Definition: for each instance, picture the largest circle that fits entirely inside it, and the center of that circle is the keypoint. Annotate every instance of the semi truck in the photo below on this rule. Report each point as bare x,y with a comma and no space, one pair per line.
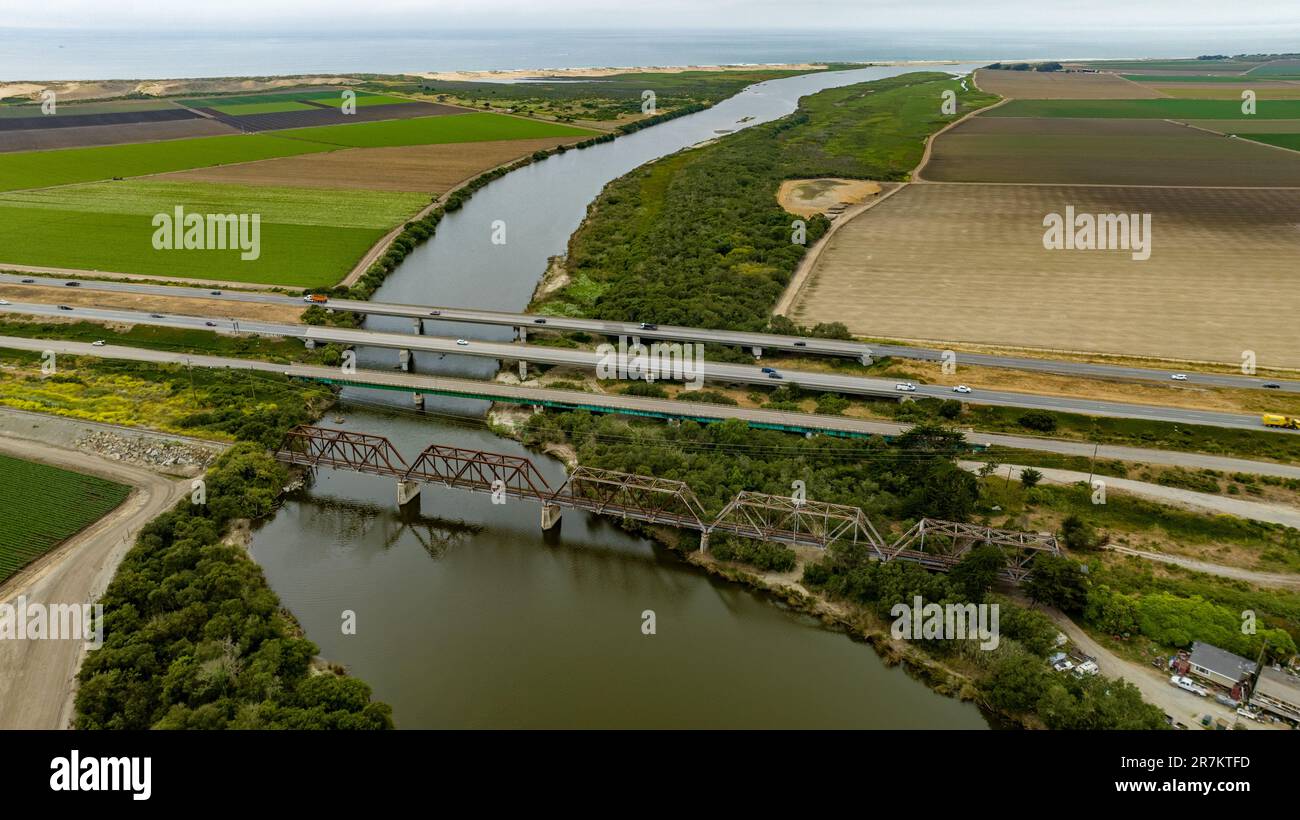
1287,422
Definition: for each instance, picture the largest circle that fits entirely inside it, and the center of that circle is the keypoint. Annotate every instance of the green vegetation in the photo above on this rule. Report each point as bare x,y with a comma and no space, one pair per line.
43,169
237,105
307,237
1291,141
697,238
44,506
1158,109
195,639
438,130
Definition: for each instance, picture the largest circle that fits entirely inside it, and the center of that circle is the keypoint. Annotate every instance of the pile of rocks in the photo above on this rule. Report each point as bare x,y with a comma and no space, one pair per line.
149,451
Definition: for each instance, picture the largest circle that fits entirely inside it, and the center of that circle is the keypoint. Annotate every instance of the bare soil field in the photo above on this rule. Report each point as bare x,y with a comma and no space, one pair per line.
1062,151
1230,91
91,135
179,306
1052,85
966,263
422,168
283,120
807,197
1248,126
65,120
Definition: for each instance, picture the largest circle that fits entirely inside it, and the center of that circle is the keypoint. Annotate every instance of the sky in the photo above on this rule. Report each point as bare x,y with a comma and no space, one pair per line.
904,15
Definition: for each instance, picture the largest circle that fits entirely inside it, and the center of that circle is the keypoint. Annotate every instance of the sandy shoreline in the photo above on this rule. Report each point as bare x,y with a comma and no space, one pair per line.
575,73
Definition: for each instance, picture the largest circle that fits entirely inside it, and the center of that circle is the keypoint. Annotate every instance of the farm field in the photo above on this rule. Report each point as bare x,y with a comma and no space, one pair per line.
1051,85
1291,140
1184,109
1249,126
44,506
40,169
1188,65
475,127
429,169
1103,152
1231,91
308,238
85,136
75,108
1219,260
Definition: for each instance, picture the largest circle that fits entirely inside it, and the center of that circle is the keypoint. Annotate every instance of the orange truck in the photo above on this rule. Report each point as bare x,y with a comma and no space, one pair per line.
1286,422
316,298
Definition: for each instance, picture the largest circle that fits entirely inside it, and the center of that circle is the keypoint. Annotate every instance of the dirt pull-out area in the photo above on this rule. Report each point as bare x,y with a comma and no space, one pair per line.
828,195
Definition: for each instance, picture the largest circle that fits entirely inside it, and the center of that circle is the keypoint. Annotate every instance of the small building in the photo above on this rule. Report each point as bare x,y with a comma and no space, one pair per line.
1220,667
1277,692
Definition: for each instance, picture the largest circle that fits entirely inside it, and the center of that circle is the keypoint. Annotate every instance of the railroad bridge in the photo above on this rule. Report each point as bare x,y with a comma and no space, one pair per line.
935,544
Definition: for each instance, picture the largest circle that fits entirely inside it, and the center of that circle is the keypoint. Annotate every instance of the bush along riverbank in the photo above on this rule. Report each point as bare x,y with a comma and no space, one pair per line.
912,476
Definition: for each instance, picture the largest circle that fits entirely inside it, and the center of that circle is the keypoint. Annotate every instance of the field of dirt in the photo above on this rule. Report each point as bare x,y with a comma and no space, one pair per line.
966,263
808,197
424,168
47,138
78,297
1053,85
1101,151
71,90
1248,126
1229,91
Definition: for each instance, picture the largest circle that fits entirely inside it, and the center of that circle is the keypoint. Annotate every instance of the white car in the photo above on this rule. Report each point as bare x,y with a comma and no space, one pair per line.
905,387
97,343
462,342
1187,685
961,388
4,301
1179,377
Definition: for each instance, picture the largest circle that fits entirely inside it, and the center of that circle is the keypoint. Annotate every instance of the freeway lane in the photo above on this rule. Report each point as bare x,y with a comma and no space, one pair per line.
710,371
765,341
491,390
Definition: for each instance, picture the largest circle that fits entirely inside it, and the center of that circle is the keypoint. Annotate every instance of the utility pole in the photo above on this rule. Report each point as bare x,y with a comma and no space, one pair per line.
193,395
1092,465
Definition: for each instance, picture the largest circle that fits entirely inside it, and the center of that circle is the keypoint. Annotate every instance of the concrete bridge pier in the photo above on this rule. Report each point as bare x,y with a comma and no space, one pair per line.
418,400
310,343
865,359
521,334
704,541
417,325
550,516
407,491
537,408
757,351
404,360
523,370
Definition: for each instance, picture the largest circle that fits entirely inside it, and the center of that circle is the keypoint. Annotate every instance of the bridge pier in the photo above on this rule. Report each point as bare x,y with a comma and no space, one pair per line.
310,343
704,541
550,516
537,408
407,491
865,359
417,325
523,370
757,351
418,400
521,334
404,360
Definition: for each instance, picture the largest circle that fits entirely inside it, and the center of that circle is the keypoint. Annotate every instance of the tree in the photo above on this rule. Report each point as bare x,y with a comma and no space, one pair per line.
977,571
1029,478
1038,420
1057,581
1078,534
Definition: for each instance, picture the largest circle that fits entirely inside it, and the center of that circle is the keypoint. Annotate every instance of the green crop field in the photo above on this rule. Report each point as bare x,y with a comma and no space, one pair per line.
1148,109
43,506
263,108
450,128
285,101
1291,141
40,169
308,237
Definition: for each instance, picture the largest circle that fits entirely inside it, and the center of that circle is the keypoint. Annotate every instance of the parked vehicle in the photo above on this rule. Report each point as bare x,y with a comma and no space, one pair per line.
1187,685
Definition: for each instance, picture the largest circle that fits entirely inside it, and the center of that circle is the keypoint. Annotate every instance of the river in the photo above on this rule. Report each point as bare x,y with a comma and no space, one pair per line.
468,616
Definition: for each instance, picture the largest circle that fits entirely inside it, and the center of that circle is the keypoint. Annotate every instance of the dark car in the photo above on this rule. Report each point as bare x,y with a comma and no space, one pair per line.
156,315
649,326
774,375
72,284
214,293
800,344
210,324
435,313
539,321
28,281
64,307
1273,386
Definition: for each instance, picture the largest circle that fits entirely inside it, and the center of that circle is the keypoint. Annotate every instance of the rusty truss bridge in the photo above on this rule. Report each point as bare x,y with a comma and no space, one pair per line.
935,544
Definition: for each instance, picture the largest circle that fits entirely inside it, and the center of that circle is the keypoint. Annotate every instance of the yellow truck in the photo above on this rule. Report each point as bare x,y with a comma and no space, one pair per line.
1288,422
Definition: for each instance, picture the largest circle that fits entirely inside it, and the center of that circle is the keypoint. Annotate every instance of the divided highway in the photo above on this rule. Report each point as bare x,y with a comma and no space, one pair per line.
763,341
710,371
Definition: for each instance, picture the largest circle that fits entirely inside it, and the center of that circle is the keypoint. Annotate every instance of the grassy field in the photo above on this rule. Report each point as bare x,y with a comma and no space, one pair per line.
1185,109
44,506
1291,141
309,237
42,169
476,127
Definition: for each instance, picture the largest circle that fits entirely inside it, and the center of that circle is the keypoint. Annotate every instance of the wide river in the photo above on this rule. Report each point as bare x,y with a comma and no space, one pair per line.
467,615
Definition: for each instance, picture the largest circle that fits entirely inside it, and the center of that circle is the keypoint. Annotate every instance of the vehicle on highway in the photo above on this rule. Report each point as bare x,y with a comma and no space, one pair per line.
769,370
214,293
1285,422
4,301
774,375
1187,685
649,326
907,387
316,298
64,307
97,343
1179,377
435,313
961,388
462,342
72,284
1272,386
156,315
28,281
210,324
539,321
800,344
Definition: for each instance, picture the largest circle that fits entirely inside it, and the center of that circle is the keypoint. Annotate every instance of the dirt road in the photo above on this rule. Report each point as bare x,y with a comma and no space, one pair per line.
37,677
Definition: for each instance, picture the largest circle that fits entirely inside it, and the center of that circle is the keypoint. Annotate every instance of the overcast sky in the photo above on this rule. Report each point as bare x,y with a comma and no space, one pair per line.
982,15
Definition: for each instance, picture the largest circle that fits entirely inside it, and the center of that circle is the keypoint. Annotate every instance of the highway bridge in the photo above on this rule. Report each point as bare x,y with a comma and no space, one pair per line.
935,544
408,345
420,315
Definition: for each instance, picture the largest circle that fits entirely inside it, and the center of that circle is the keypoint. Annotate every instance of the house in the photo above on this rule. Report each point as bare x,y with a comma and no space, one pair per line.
1277,692
1220,667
